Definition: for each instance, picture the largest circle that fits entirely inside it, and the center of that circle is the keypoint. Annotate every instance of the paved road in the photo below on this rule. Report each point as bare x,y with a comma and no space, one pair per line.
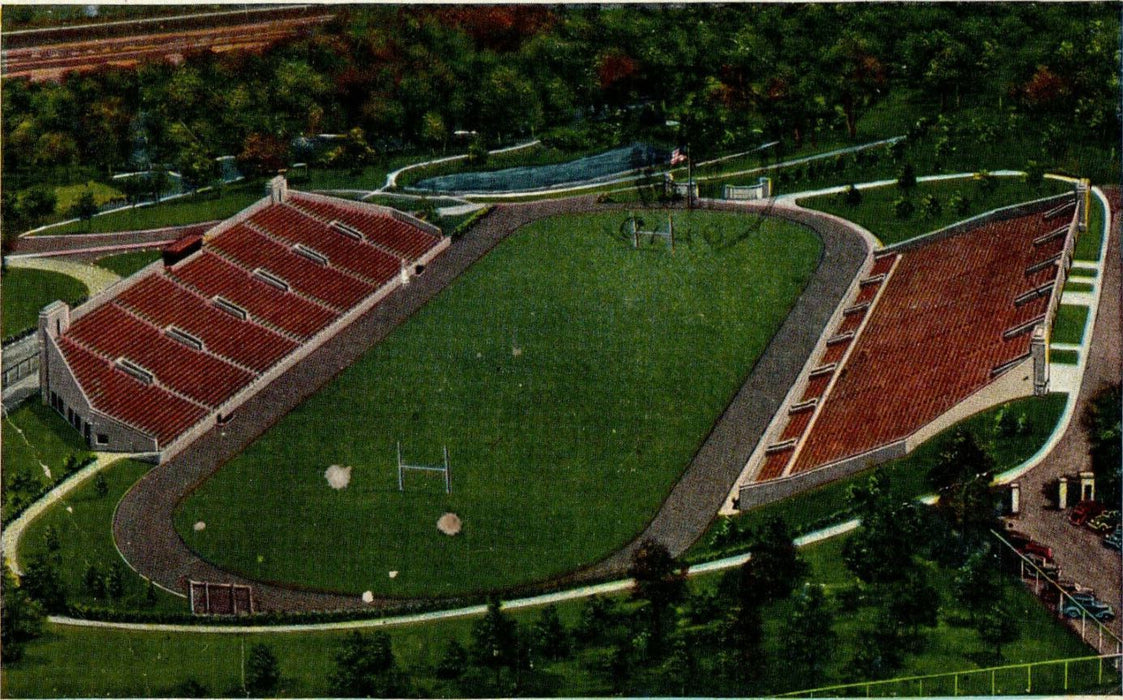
1079,552
87,246
143,526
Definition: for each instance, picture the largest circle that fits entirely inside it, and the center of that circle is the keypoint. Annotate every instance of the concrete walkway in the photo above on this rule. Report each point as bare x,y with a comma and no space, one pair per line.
13,532
95,278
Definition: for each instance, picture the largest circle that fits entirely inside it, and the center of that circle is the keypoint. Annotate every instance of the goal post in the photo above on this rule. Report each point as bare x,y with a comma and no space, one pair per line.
667,232
443,469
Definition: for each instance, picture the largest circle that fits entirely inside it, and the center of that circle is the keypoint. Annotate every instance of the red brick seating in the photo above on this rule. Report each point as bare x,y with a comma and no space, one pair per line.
113,332
113,392
163,302
212,276
252,251
400,238
360,259
935,337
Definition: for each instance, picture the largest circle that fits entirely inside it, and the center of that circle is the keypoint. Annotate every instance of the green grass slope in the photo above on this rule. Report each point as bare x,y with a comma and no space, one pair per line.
24,291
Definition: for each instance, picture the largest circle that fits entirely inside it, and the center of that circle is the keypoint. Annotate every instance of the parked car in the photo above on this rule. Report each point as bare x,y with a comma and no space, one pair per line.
1096,608
1104,522
1046,566
1084,511
1115,539
1073,588
1027,545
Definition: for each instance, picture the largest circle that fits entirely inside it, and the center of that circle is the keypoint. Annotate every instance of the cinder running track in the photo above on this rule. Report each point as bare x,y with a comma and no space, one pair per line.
143,524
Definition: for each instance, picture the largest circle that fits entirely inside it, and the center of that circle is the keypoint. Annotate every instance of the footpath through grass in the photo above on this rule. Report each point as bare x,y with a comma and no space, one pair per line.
876,211
24,291
571,377
827,505
125,264
192,209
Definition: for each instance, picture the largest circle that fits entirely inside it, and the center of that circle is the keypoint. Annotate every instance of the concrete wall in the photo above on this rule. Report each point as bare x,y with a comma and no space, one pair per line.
20,359
61,382
753,495
1001,214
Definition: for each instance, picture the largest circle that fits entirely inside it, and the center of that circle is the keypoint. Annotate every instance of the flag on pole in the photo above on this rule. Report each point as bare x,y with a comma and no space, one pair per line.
677,156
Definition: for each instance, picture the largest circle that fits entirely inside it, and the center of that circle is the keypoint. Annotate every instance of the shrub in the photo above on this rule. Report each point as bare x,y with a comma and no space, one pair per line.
931,206
959,204
903,208
1035,174
907,179
852,196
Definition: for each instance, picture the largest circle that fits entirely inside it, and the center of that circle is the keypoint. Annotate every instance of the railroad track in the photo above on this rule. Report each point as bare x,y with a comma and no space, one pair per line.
52,61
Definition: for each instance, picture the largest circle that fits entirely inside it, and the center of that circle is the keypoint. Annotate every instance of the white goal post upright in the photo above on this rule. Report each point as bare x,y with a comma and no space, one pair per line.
668,233
402,467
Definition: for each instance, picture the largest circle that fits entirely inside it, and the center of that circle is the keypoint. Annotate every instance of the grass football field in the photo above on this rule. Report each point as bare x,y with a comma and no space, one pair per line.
572,378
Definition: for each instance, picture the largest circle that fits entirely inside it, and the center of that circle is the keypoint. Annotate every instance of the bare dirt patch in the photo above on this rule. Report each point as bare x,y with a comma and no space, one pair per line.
338,477
449,524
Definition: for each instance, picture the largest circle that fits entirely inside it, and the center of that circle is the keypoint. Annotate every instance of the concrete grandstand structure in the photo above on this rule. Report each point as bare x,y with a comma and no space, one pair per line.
168,353
932,331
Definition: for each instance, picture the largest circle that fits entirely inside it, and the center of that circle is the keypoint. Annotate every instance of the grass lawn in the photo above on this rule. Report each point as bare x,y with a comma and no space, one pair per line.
83,521
67,195
827,504
125,264
90,662
1069,325
36,441
1064,357
1089,243
1078,287
177,212
876,213
24,291
570,402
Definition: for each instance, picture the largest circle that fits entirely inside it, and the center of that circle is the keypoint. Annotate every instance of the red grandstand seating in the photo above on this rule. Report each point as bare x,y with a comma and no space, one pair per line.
934,337
212,276
816,386
361,259
774,464
113,332
382,229
253,251
162,301
115,393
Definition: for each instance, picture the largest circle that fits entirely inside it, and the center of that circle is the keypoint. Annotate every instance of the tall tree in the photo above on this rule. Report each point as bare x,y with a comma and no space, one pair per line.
42,582
495,639
365,667
263,673
21,618
1103,422
809,637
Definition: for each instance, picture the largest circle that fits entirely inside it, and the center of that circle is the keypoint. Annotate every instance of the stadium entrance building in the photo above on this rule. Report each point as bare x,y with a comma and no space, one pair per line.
162,356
